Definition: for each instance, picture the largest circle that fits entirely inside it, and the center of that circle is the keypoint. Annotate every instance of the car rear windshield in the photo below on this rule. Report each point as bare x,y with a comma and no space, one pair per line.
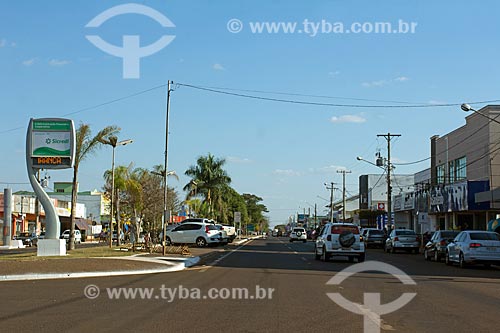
338,229
484,236
449,234
375,232
298,230
406,232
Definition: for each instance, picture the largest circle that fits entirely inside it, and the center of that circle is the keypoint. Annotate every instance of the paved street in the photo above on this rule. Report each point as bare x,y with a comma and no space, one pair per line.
449,299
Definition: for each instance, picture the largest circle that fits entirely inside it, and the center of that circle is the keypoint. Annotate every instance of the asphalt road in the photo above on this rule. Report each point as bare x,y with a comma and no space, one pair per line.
448,299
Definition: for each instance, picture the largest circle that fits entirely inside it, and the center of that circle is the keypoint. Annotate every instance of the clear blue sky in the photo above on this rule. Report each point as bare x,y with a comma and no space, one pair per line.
281,152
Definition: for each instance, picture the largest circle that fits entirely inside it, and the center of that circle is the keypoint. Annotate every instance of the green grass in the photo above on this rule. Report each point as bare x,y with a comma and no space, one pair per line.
79,252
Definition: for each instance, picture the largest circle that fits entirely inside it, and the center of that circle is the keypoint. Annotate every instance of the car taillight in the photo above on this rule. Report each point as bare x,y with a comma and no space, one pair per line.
474,245
443,243
207,229
396,239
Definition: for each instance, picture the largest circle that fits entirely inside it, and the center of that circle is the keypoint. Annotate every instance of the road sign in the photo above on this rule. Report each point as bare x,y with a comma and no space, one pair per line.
237,217
381,206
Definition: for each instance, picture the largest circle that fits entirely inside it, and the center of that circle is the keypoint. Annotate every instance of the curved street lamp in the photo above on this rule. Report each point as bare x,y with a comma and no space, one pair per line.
113,142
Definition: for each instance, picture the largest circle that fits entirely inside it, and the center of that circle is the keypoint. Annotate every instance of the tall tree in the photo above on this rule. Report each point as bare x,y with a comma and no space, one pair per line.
85,146
208,178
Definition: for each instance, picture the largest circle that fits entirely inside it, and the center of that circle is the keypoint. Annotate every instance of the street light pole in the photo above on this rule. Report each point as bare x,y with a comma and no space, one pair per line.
113,142
110,232
165,177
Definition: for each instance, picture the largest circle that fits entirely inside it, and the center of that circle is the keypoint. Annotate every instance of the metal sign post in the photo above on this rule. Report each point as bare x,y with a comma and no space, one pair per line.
50,144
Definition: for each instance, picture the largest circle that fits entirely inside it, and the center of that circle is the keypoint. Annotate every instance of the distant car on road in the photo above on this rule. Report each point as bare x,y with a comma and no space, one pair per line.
374,237
474,247
435,248
339,239
298,234
402,239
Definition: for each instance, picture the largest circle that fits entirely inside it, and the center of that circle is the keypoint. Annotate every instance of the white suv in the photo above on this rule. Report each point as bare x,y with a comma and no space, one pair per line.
339,239
298,234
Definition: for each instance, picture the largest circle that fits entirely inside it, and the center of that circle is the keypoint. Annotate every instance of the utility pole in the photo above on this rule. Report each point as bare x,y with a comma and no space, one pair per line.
165,177
343,172
315,216
388,137
331,188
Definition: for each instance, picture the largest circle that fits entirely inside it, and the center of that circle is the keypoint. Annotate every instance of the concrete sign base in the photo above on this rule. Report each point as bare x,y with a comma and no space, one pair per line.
51,247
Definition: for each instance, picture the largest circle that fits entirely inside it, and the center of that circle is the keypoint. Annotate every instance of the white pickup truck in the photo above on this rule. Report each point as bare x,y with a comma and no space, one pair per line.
231,232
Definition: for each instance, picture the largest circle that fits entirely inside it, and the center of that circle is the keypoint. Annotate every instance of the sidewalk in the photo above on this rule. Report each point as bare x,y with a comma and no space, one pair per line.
38,268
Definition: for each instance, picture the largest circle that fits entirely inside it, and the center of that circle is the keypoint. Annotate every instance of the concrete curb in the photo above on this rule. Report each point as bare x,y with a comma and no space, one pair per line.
245,240
172,263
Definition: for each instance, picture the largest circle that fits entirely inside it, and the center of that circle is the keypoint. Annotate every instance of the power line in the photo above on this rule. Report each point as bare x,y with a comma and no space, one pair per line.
327,104
409,163
97,105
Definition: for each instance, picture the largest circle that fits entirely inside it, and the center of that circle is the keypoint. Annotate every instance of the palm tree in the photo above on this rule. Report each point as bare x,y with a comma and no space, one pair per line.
86,145
208,178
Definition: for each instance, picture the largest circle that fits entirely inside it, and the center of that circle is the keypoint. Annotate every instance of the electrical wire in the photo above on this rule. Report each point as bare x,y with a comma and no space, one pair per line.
217,91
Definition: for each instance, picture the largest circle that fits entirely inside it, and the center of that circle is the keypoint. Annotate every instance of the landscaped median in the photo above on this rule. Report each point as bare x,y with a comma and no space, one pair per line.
87,262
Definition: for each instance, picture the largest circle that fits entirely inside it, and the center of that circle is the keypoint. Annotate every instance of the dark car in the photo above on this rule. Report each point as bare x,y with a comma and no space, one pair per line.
436,246
27,238
374,237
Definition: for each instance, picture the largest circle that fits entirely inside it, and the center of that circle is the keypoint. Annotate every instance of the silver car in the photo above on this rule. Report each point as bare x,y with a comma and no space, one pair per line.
402,239
474,247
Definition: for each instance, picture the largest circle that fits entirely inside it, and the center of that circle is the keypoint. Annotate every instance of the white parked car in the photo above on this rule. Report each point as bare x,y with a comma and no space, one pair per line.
198,233
298,234
339,239
231,232
66,233
474,247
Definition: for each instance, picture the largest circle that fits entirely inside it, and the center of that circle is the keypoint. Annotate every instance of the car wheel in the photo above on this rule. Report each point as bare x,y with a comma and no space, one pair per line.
447,259
351,259
361,258
168,241
436,257
416,251
291,240
201,242
426,255
304,241
316,255
324,256
487,265
461,261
